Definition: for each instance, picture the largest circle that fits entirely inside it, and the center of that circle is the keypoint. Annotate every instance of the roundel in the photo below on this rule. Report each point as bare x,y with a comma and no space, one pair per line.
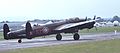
31,33
45,30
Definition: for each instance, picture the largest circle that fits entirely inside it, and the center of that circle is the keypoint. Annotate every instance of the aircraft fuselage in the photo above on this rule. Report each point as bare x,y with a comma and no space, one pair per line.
44,30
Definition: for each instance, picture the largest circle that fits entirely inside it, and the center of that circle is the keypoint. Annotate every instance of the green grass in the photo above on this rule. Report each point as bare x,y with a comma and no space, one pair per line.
108,46
1,36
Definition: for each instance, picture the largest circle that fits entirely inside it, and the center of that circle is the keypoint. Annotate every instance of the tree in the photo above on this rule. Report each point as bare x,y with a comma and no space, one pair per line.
89,19
100,19
115,18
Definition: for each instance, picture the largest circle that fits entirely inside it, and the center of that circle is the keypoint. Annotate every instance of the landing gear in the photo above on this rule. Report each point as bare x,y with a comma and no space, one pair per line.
58,36
76,36
19,41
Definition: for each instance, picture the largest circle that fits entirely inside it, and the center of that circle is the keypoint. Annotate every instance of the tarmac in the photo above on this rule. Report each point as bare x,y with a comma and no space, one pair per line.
40,42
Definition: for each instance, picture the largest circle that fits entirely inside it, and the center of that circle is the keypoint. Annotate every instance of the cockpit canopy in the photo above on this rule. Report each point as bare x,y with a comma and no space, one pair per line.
76,19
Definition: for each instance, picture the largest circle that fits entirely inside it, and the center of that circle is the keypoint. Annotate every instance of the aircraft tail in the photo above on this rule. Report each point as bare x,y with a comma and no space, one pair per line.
28,30
5,31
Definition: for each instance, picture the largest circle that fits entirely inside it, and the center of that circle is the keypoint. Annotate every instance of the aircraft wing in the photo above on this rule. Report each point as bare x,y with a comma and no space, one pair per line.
66,26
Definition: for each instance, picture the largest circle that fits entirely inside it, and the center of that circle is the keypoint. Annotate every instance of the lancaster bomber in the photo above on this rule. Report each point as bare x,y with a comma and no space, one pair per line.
67,26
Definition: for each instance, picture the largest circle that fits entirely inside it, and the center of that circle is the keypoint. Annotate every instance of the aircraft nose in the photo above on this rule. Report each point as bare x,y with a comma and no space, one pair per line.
93,23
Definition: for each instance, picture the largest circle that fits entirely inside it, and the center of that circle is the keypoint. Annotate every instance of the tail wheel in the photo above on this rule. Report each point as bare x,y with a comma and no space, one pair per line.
58,36
76,36
19,41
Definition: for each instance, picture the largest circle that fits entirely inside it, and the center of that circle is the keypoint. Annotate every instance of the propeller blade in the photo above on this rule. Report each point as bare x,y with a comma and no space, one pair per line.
95,28
94,17
86,18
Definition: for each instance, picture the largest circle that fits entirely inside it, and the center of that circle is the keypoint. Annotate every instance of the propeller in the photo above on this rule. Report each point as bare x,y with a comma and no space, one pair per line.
94,25
95,28
94,17
86,18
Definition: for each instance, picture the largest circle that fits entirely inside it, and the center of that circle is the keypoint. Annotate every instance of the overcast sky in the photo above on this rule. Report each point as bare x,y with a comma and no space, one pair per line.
22,10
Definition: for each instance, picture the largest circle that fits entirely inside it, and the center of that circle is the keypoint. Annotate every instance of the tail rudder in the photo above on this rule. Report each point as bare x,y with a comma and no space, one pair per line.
28,30
5,31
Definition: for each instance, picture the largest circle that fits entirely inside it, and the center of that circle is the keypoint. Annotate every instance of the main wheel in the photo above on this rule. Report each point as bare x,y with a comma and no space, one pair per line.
58,36
19,41
76,36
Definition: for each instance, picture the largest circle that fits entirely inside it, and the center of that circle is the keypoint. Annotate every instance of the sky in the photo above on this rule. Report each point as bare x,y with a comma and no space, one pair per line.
22,10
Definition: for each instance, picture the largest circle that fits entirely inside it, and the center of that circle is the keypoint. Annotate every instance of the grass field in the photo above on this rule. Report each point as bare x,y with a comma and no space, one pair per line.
108,46
1,36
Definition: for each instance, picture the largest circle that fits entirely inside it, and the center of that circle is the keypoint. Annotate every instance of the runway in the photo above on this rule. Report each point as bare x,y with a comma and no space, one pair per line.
13,44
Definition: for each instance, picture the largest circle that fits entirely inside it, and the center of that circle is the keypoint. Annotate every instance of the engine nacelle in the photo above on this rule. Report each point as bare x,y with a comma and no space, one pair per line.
91,25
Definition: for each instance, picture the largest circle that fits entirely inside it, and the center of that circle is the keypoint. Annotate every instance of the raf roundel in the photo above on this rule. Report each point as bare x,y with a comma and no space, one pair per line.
31,33
45,30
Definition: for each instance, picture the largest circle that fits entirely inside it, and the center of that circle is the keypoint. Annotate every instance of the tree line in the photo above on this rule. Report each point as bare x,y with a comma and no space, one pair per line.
114,18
